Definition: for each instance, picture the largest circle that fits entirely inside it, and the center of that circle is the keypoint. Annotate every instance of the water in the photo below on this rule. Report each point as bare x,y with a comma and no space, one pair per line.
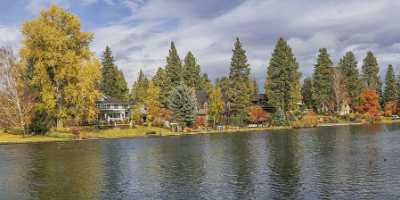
349,162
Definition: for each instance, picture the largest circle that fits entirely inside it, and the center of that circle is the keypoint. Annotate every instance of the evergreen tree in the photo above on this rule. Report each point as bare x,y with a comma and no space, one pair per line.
183,104
139,88
307,93
322,85
348,67
254,86
283,78
174,69
239,92
191,71
205,84
370,74
160,80
113,82
391,88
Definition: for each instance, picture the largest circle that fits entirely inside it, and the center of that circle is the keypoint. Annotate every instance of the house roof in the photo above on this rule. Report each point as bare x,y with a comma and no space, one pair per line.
111,100
201,97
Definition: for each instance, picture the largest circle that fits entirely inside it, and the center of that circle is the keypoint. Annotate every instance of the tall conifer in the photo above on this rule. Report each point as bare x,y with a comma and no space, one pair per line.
391,88
191,71
322,85
174,69
239,92
349,70
283,78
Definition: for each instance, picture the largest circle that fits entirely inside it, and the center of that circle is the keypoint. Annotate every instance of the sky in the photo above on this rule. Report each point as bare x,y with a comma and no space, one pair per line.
139,32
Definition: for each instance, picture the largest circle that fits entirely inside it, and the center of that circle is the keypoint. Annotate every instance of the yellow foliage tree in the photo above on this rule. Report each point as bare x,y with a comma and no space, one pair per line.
152,100
215,104
56,53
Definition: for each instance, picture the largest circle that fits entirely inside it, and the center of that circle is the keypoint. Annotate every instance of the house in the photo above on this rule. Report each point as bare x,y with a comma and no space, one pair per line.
262,101
112,109
202,104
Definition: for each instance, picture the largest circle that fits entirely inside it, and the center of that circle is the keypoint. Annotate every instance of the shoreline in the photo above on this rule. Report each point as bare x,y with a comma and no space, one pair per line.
19,139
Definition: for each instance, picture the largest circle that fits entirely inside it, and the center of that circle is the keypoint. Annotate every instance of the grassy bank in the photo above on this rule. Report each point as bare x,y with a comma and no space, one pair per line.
140,131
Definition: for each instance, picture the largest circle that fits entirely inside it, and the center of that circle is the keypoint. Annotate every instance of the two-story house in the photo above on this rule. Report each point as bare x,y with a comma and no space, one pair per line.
112,109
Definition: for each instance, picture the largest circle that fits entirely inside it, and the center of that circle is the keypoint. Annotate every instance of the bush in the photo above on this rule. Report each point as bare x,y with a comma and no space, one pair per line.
308,120
278,119
41,122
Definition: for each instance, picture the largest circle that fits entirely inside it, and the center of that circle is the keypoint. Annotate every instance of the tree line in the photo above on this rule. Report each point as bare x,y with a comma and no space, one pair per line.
57,80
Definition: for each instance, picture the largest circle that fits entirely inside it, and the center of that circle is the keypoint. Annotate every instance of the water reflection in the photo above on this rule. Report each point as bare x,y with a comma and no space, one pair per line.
349,162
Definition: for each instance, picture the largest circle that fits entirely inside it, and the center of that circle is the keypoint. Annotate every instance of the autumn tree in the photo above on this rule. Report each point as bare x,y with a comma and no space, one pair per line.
139,88
16,102
322,85
215,105
351,77
160,80
239,91
182,103
152,100
390,92
257,114
113,82
282,85
56,51
369,102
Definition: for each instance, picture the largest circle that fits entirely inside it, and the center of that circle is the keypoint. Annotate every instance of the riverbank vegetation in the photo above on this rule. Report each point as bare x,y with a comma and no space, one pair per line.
52,88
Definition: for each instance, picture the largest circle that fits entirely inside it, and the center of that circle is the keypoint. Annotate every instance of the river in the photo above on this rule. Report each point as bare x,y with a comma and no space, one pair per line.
345,162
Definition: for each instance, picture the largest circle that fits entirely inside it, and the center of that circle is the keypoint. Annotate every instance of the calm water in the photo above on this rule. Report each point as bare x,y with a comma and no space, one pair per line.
355,162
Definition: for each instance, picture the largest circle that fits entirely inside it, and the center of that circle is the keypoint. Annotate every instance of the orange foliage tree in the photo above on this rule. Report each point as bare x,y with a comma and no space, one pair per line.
369,102
257,114
391,108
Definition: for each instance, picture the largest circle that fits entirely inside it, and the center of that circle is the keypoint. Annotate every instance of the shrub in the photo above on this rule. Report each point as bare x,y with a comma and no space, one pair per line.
278,119
41,122
309,120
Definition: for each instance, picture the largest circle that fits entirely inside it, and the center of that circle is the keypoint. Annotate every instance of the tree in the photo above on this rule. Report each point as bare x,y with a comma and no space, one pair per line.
370,73
160,80
215,105
152,100
55,50
16,103
257,114
113,82
174,69
139,88
282,85
390,92
348,67
307,92
239,91
83,96
191,71
182,103
205,84
322,85
254,86
369,102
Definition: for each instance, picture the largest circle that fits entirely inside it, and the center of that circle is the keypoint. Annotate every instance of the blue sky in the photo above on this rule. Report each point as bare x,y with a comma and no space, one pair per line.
139,31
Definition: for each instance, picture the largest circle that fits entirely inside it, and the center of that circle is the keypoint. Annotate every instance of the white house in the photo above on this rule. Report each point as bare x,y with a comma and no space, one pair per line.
112,109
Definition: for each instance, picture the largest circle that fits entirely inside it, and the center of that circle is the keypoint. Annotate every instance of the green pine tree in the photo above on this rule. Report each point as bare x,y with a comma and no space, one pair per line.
182,103
239,92
322,84
113,82
191,71
174,69
390,92
307,93
370,72
348,67
283,78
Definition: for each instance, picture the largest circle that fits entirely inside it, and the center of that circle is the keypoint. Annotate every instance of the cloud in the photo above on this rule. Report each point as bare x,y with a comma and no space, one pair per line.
10,37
